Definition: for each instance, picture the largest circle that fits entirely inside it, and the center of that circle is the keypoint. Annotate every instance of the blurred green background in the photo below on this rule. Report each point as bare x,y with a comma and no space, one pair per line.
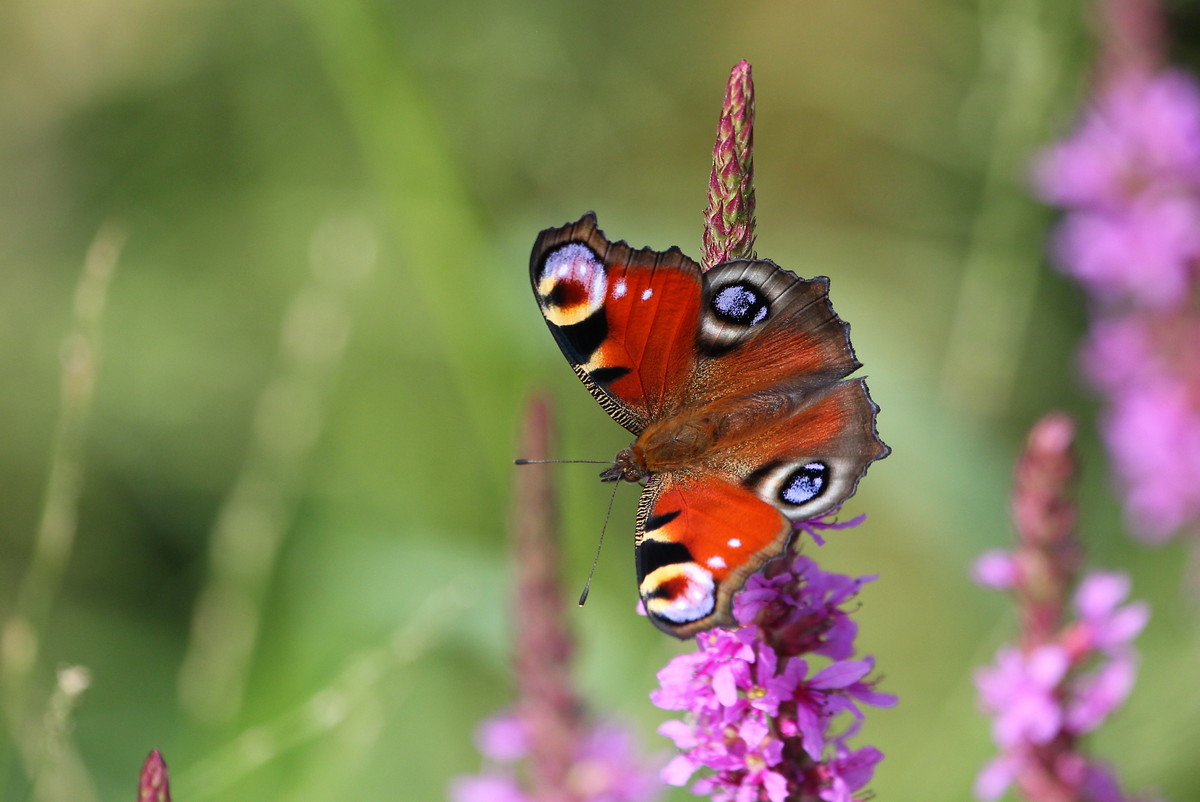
319,337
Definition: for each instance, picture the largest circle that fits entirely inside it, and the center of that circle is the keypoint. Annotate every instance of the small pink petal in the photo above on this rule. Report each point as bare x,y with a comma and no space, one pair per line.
1100,593
995,778
678,771
1047,665
776,786
680,732
996,569
841,674
725,686
1127,624
502,738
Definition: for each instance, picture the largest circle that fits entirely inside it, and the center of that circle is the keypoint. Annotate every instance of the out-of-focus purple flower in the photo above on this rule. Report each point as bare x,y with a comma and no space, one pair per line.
1145,252
1149,370
1043,700
761,719
547,748
1128,180
1019,692
1116,353
1105,625
502,738
1067,675
604,767
996,569
1070,686
611,767
494,786
1152,429
1139,136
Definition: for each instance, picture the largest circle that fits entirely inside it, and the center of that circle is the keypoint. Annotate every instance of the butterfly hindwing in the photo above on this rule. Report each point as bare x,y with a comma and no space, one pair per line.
625,319
698,538
702,531
808,463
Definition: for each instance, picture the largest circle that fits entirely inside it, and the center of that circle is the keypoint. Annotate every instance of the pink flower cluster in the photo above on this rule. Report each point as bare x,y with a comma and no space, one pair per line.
606,766
1129,180
1044,697
762,718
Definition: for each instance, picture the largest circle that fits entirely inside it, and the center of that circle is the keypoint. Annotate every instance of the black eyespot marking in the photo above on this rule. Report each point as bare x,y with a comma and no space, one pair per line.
741,304
580,340
654,554
757,475
804,484
659,521
608,375
562,294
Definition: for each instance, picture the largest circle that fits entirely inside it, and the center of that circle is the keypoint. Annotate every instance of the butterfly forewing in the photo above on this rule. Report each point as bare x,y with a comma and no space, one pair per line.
764,327
625,319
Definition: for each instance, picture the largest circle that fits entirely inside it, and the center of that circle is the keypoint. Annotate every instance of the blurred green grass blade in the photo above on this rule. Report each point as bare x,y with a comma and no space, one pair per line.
433,220
257,514
26,628
339,705
1021,75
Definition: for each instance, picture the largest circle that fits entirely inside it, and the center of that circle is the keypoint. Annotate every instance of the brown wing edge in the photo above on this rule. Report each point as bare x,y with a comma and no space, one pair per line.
883,450
585,231
820,296
869,434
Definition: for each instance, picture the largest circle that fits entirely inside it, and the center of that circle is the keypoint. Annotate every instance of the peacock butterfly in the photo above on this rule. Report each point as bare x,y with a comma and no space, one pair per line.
734,382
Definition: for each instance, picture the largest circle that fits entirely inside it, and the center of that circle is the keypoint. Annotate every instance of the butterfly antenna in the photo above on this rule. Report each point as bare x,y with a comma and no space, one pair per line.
588,585
561,461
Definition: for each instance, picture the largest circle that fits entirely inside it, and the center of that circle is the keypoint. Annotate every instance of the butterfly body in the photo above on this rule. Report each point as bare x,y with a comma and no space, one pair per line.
734,382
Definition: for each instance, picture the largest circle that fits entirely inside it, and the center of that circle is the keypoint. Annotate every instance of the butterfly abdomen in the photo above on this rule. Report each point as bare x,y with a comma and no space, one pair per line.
675,443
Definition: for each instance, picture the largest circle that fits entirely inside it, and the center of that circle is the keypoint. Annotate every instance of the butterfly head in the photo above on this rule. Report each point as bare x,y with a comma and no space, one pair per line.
628,466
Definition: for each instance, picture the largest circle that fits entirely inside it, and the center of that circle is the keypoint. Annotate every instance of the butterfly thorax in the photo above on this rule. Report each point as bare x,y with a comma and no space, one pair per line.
693,436
680,441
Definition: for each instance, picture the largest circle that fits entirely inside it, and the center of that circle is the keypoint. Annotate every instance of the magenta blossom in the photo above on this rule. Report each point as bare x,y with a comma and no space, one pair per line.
760,717
1128,180
1047,697
606,766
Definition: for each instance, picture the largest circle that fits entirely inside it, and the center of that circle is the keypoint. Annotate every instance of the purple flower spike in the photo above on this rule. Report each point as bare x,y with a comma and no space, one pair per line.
761,718
764,703
1128,181
547,747
153,784
1066,676
729,219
